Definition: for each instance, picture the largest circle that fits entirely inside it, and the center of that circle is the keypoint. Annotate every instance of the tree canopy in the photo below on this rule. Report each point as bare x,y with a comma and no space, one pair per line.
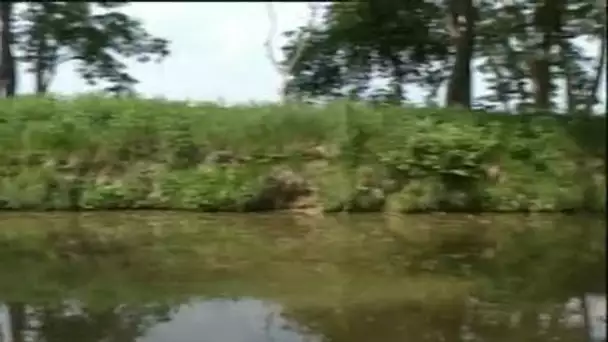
373,50
97,36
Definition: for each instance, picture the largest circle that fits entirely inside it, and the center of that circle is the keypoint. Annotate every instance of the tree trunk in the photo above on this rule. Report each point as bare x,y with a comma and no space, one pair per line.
8,77
41,69
461,25
398,95
547,21
570,99
542,84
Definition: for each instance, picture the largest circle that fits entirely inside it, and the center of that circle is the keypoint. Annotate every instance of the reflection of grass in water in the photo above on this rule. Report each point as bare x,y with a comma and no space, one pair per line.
100,261
351,292
103,286
117,258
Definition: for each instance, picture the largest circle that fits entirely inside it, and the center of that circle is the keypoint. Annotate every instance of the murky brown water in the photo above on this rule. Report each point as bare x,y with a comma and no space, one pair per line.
153,277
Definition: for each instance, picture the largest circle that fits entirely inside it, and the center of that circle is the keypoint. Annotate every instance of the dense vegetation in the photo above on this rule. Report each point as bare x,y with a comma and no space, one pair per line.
531,54
102,153
105,153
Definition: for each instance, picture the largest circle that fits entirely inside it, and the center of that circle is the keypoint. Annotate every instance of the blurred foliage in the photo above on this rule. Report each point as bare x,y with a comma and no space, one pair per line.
97,36
101,153
379,51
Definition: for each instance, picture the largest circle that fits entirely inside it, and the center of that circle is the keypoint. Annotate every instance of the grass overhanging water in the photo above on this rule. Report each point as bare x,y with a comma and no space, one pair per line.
103,153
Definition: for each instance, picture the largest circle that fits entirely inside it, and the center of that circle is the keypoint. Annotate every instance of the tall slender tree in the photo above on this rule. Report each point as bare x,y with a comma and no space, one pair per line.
461,25
8,77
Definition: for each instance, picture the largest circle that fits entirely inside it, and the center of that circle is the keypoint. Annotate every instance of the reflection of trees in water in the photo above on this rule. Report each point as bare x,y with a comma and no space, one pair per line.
382,323
522,275
521,288
67,322
16,312
275,318
549,263
508,322
545,267
449,322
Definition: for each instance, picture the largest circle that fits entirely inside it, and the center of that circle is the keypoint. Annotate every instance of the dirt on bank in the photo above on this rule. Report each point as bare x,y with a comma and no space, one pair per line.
312,183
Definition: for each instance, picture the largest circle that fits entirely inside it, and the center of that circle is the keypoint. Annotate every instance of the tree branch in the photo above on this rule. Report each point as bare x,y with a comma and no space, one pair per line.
284,69
272,19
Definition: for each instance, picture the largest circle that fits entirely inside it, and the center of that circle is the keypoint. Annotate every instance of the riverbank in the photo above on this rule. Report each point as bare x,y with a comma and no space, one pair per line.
95,153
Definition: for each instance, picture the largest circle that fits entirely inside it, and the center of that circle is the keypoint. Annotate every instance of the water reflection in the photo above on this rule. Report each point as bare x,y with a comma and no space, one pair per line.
66,321
595,311
258,321
153,278
244,320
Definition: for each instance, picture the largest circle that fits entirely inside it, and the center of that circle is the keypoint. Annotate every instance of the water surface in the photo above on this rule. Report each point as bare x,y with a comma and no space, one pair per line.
153,277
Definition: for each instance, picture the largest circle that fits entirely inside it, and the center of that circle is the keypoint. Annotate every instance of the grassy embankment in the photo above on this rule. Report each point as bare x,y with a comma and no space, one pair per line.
94,153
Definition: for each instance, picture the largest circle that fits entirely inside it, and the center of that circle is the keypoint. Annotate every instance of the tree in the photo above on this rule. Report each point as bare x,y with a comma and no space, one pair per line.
526,51
529,48
548,16
95,35
7,61
285,68
461,25
358,42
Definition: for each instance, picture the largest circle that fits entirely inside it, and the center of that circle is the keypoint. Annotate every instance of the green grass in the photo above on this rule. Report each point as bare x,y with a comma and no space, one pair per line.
101,153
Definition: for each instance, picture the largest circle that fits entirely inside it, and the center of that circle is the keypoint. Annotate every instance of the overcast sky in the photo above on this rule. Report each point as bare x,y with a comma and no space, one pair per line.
217,52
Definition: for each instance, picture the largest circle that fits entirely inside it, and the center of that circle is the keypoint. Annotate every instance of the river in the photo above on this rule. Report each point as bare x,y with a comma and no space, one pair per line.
182,277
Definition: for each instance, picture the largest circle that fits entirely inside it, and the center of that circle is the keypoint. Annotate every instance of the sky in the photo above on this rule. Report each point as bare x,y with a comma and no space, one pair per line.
217,53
